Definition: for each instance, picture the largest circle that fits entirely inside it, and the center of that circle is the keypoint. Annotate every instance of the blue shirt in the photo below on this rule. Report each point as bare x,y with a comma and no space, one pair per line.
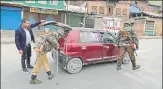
28,36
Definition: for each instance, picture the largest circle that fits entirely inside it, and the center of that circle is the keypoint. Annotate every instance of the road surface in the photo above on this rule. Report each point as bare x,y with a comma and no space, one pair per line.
99,76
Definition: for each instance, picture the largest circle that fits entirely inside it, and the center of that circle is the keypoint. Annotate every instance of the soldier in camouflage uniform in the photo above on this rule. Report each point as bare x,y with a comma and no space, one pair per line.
46,44
123,41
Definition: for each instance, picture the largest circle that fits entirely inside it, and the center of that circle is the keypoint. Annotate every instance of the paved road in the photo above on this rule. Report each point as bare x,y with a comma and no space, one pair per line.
99,76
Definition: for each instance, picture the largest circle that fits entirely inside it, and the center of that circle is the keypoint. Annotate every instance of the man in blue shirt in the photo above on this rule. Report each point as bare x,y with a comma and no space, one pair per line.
23,38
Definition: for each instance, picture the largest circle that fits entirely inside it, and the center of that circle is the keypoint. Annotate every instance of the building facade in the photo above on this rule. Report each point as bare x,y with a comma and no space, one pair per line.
46,10
37,10
97,7
149,21
122,11
109,9
76,11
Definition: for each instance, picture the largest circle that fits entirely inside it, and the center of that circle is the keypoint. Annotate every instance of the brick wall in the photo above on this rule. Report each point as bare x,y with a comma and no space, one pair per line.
158,26
142,5
98,4
139,26
122,6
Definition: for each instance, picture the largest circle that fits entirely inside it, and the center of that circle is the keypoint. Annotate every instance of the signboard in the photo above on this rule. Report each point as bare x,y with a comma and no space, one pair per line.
98,23
111,23
44,11
76,9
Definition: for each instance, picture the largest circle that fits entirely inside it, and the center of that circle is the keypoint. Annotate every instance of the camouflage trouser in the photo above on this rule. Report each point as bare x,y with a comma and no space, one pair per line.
40,61
130,51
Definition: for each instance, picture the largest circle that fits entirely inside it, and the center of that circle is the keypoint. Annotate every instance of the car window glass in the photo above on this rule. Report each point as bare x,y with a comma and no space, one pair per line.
89,36
108,38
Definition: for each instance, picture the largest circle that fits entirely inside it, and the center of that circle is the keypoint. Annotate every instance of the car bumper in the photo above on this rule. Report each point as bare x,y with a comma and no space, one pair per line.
63,59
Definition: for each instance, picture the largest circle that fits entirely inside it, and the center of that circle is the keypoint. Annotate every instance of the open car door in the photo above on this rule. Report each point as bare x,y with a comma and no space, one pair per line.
64,26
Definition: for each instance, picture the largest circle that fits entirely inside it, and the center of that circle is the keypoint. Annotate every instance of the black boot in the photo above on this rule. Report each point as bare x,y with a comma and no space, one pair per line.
34,80
28,63
119,66
50,75
25,69
23,65
136,67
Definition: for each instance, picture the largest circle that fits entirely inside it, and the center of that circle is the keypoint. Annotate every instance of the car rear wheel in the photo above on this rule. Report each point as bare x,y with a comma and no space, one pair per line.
126,58
53,56
74,65
53,52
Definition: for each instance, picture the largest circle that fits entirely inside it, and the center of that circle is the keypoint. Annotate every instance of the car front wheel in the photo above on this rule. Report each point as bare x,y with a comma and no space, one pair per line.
74,65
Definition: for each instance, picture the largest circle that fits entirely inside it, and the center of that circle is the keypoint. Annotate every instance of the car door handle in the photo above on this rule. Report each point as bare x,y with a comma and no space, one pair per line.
83,47
106,47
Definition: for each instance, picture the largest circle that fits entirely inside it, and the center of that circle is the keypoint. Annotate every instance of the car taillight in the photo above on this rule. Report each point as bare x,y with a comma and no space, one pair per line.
64,50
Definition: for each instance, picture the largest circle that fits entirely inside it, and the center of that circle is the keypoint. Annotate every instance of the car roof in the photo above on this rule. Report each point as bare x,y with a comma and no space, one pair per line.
93,29
88,29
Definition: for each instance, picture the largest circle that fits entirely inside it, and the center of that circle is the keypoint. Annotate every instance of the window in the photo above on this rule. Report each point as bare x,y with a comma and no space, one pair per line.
101,10
118,11
30,1
124,12
41,1
110,10
53,2
94,9
89,36
108,37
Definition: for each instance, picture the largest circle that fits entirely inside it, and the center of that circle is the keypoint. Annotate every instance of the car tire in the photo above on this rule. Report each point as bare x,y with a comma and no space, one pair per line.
74,65
126,58
53,52
53,56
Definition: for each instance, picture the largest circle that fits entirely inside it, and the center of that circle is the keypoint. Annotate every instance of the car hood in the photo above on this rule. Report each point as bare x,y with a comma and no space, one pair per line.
54,23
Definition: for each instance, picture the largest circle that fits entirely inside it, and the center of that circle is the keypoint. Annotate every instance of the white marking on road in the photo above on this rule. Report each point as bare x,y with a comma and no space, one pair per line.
133,77
148,78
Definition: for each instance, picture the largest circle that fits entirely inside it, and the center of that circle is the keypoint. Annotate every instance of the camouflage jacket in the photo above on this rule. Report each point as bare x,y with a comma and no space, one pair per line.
124,41
49,41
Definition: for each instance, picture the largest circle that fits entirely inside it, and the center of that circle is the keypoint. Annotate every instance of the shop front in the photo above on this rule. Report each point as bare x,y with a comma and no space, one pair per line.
75,15
74,19
10,17
35,14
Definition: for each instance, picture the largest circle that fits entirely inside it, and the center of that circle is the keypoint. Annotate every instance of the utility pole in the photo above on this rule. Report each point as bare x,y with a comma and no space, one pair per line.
86,12
66,12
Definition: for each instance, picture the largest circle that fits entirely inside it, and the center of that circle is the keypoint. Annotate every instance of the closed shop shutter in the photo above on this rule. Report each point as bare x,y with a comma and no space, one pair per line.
32,17
10,18
149,28
74,20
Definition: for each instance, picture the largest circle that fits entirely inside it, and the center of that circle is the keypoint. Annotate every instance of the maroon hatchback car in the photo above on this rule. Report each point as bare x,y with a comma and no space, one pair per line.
83,46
